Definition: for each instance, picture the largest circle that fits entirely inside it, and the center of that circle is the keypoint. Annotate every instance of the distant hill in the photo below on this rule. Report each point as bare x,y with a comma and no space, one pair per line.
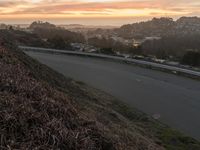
161,27
46,30
23,38
40,24
188,25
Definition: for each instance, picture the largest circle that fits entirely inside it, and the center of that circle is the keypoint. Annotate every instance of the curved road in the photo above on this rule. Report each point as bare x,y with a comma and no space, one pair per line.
175,99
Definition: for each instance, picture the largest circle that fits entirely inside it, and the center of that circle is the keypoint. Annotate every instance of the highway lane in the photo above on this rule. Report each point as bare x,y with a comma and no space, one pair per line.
176,99
185,71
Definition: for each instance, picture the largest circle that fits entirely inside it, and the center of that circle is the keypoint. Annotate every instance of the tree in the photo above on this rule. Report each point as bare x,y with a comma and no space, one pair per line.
40,24
108,51
191,58
58,42
49,33
136,50
11,28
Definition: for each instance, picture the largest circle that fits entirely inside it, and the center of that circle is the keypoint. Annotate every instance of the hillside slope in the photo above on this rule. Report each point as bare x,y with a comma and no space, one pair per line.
161,27
35,115
41,109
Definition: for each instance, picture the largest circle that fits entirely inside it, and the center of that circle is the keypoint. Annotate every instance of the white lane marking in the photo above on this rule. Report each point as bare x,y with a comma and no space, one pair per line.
138,80
156,116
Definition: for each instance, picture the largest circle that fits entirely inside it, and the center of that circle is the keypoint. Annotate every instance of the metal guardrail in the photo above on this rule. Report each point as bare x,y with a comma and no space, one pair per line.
173,69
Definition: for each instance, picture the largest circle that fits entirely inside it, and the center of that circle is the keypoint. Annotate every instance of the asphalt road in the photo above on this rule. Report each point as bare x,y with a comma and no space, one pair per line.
175,99
182,70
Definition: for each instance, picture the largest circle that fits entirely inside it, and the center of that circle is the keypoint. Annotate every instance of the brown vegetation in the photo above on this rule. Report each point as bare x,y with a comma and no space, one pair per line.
34,115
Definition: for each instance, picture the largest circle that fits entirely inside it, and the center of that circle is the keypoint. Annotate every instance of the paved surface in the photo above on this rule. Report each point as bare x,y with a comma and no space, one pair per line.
130,60
173,99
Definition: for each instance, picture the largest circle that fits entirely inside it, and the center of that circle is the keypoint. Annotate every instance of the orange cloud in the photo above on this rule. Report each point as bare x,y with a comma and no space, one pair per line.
96,8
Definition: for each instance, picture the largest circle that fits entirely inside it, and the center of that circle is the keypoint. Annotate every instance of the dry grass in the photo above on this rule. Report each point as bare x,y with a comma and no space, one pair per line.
34,115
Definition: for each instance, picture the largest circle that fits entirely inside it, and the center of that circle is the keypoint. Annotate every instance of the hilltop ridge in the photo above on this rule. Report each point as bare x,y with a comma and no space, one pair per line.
161,27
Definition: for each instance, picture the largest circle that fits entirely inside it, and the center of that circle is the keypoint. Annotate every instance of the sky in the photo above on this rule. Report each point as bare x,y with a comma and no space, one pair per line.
94,12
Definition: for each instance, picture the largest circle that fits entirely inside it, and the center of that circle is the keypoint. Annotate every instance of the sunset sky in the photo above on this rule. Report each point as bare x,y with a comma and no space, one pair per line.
105,12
